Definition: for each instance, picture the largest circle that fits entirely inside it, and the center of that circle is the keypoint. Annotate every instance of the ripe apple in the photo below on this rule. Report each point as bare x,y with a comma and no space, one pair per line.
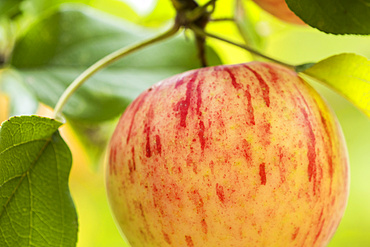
279,9
237,155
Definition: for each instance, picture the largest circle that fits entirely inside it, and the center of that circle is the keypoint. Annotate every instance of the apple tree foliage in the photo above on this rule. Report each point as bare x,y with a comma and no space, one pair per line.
45,45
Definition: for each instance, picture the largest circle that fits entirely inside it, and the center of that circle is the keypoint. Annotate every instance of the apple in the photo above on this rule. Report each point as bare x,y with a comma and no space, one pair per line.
279,9
232,155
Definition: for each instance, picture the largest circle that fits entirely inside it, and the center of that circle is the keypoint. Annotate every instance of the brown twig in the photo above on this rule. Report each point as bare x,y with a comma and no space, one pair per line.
203,33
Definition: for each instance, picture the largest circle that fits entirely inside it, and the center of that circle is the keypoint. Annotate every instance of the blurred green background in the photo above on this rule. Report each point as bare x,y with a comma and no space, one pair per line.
289,43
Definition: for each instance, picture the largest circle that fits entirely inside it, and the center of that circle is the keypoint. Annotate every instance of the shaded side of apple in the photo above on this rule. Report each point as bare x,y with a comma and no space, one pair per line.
241,155
279,9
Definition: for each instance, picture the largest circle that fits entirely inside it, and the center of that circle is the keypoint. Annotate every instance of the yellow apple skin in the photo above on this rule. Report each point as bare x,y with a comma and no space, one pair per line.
237,155
279,9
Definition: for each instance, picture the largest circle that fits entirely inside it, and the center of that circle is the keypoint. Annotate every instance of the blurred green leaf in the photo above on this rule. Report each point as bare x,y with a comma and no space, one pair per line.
22,100
348,75
162,13
37,7
334,16
246,26
36,207
116,7
61,46
9,8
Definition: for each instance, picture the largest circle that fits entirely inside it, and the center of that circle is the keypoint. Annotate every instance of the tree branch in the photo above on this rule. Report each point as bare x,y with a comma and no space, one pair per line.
201,32
181,5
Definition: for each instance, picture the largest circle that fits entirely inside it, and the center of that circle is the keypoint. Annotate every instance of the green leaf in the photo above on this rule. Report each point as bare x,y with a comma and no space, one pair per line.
117,8
334,16
246,25
37,7
22,100
9,7
36,207
347,74
61,46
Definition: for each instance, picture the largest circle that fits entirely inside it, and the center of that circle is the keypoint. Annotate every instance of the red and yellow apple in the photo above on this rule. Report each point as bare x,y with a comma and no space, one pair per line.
279,9
237,155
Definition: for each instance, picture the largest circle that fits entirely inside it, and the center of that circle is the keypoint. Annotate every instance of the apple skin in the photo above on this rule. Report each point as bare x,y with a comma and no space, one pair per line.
238,155
279,9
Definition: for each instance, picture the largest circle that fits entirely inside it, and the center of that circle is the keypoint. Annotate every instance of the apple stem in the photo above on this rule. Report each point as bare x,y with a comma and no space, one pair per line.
104,62
200,32
222,19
